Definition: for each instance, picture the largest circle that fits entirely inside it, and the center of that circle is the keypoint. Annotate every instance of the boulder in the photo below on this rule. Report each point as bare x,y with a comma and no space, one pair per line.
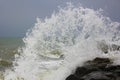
97,69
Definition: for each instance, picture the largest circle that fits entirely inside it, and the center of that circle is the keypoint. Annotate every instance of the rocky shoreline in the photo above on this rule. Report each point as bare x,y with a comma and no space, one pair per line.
96,69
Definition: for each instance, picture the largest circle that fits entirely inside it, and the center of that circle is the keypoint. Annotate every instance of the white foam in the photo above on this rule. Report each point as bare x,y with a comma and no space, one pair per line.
73,32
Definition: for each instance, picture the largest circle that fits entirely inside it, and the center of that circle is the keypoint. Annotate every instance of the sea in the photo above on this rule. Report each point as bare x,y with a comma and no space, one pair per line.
9,47
57,45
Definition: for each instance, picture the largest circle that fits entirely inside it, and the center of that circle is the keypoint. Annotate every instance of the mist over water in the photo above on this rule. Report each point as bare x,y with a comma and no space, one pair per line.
57,45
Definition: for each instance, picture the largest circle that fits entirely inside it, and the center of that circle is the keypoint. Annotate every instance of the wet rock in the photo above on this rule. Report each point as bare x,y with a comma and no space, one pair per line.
112,68
101,60
96,75
72,77
97,63
97,69
117,72
80,71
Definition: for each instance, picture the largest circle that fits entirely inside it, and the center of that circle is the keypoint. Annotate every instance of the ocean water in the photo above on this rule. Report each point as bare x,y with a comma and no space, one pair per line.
55,46
9,46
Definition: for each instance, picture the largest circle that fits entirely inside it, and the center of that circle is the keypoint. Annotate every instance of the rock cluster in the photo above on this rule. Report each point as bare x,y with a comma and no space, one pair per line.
97,69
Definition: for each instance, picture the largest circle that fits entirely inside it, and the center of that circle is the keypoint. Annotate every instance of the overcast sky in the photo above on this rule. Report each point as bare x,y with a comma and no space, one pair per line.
17,16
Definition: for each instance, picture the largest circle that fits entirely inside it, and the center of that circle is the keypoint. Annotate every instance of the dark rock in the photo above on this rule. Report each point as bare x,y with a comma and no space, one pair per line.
117,72
113,68
80,71
98,63
97,69
97,75
72,77
101,60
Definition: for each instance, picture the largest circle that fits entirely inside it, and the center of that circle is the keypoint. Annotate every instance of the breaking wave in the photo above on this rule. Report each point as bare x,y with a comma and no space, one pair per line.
55,46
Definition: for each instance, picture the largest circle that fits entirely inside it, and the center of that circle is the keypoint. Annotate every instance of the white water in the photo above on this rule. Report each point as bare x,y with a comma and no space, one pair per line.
57,45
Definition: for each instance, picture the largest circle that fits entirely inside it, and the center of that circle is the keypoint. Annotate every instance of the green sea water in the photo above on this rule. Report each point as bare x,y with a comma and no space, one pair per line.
8,48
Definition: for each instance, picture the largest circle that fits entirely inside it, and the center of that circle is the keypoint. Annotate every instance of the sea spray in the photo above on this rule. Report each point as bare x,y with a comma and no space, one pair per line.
57,45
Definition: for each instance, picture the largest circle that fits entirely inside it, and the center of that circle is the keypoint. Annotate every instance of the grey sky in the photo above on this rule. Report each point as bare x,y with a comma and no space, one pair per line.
16,16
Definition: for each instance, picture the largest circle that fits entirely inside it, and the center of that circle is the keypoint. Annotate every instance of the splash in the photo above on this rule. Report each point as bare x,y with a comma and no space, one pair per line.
57,45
